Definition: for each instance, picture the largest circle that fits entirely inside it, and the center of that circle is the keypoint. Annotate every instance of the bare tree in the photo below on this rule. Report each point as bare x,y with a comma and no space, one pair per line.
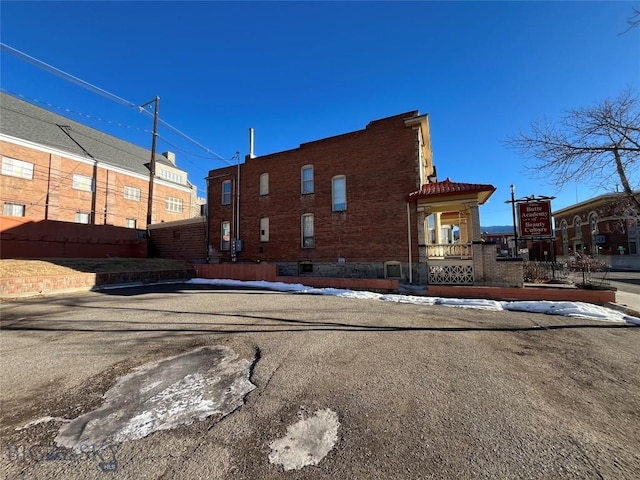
633,21
598,145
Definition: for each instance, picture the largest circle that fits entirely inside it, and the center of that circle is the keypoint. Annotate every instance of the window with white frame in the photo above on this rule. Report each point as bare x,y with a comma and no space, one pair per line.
225,236
171,176
132,193
307,179
264,184
339,193
172,204
308,239
17,168
82,217
226,192
13,209
131,223
264,229
82,182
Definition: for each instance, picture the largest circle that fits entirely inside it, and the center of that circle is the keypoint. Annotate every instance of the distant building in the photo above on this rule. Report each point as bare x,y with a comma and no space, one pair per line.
54,168
363,204
605,227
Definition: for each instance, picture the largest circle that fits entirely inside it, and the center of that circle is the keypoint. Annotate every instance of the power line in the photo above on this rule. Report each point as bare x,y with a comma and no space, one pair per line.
93,88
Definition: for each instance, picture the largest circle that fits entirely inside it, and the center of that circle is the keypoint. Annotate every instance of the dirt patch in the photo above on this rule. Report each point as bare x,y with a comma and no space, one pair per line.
17,268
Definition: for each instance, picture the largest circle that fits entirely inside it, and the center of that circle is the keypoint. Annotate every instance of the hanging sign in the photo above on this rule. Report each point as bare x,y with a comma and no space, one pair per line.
535,219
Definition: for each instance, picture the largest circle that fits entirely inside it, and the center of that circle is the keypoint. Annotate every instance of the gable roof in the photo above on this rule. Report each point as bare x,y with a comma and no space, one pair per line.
449,188
26,121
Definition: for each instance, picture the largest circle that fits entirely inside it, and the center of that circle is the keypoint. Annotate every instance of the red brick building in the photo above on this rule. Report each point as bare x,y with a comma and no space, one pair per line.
353,205
604,227
54,168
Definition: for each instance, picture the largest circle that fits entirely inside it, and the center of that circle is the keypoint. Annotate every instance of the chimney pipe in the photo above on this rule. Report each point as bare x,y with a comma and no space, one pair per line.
251,154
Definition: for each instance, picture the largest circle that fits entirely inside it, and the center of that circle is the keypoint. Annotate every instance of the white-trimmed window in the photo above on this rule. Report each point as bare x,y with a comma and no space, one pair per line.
17,168
339,193
172,204
132,193
131,223
308,239
13,209
171,176
82,182
82,217
225,236
264,184
306,176
264,229
226,192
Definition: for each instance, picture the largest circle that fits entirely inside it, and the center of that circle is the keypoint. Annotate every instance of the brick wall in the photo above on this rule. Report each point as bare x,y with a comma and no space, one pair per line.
181,240
49,195
44,284
380,167
32,238
491,271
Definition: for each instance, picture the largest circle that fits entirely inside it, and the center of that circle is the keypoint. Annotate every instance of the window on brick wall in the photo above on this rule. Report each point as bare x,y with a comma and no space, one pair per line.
307,179
172,204
131,223
82,182
225,236
339,193
132,193
17,168
264,184
308,239
13,209
264,229
226,192
82,217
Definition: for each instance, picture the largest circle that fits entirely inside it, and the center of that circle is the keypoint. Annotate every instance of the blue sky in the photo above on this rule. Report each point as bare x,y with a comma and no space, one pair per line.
301,71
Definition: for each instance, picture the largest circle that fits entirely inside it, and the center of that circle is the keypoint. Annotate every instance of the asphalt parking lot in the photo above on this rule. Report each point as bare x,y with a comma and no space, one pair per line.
419,391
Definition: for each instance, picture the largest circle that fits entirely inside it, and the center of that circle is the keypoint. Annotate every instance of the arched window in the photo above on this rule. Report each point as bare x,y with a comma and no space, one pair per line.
306,177
308,236
577,227
339,193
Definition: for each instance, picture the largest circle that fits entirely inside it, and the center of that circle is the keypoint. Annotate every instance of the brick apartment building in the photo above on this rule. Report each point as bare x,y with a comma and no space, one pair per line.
604,227
363,204
54,168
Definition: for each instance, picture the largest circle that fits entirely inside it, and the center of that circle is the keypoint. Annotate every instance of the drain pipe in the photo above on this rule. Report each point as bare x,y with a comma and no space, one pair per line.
409,238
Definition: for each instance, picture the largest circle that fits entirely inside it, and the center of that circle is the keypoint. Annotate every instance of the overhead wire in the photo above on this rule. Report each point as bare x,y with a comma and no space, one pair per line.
104,93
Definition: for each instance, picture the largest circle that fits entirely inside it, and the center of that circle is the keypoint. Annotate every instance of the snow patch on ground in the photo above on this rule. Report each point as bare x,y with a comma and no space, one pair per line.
163,395
306,442
570,309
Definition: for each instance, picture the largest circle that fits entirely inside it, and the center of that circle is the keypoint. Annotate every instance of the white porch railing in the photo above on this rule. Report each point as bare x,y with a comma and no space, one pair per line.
449,250
450,272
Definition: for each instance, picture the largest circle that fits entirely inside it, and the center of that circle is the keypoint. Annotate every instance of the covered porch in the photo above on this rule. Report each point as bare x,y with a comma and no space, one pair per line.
449,236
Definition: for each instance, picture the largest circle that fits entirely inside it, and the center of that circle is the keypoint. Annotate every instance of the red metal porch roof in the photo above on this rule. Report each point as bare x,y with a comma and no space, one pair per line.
447,187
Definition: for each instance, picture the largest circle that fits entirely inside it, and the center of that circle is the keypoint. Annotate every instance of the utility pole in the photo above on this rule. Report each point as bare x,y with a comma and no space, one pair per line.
513,213
152,165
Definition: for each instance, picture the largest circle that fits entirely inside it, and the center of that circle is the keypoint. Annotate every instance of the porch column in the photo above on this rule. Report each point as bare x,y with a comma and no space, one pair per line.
465,235
422,246
473,214
437,225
